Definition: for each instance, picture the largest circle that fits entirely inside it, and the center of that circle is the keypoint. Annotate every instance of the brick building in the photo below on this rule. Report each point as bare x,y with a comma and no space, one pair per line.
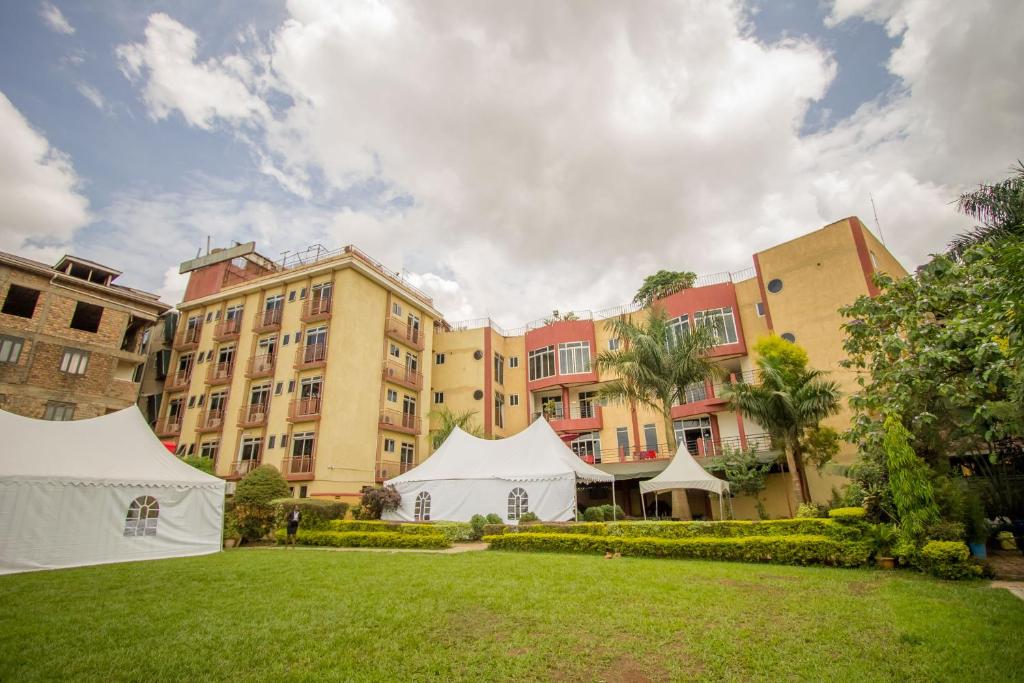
72,343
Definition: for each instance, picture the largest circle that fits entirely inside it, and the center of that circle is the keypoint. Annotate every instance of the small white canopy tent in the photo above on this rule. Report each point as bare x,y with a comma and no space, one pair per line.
99,490
683,472
533,471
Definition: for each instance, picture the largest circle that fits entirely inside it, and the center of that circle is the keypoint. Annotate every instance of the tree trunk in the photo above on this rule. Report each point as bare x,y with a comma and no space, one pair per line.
794,476
680,504
798,456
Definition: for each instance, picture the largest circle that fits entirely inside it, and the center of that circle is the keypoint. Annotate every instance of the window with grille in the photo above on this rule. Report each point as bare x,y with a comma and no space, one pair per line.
142,517
421,513
518,503
74,361
573,358
542,363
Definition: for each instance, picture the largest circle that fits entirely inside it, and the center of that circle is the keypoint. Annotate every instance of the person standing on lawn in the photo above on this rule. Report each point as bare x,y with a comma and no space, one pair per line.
293,524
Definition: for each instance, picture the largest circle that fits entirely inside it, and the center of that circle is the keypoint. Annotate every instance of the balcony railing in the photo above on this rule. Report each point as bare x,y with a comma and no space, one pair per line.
304,409
400,422
169,426
210,420
298,467
253,415
240,468
220,373
261,366
387,469
701,448
400,374
316,309
188,338
178,380
229,329
310,356
577,411
267,320
407,334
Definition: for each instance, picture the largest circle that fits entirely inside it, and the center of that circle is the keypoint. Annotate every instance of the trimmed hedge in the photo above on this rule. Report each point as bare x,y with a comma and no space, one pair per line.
800,549
315,513
948,560
452,531
837,529
847,513
367,539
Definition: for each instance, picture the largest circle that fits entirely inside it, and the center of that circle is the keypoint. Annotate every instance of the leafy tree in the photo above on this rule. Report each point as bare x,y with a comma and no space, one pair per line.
662,284
787,403
203,464
378,499
999,208
556,316
746,473
654,366
789,357
909,480
260,486
819,445
447,421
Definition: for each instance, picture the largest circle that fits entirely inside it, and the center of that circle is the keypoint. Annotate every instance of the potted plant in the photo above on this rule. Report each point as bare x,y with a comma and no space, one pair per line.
884,537
977,527
231,531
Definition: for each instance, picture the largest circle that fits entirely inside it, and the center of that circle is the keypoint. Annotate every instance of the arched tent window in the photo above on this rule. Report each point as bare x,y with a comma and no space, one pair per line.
422,512
518,503
142,516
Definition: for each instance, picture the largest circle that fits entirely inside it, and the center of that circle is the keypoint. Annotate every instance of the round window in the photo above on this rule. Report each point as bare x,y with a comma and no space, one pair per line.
788,336
478,394
775,286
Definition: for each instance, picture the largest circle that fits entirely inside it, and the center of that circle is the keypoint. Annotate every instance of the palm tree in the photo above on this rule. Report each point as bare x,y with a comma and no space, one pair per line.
998,207
787,402
447,421
656,363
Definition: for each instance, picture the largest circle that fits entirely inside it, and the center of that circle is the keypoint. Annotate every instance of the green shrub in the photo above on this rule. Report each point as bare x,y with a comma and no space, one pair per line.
852,530
796,549
478,522
315,513
260,486
366,539
847,513
452,531
494,519
811,511
495,529
594,528
594,514
200,463
528,518
253,521
946,531
947,560
376,500
456,532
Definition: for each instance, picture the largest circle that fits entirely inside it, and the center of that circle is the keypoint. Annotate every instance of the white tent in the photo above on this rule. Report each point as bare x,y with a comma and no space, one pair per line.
683,472
97,491
533,471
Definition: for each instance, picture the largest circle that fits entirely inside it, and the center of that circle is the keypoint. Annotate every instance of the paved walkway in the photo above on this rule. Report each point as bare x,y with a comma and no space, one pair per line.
454,550
1015,587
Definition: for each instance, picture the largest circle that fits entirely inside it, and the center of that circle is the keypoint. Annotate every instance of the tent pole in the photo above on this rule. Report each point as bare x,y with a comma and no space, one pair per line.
575,504
613,499
643,506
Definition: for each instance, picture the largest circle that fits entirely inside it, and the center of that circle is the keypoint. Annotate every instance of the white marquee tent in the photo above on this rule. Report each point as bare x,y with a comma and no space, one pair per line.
97,491
533,471
683,472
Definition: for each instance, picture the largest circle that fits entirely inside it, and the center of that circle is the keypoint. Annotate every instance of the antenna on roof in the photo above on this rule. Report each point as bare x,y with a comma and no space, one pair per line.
207,245
877,224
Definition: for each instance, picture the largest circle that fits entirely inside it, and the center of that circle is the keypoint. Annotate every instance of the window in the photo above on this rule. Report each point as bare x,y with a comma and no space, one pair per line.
303,491
291,386
21,301
396,309
10,349
513,399
74,361
226,356
775,286
586,404
721,323
542,363
587,446
302,444
322,291
760,309
59,412
499,409
513,361
285,340
693,431
421,512
265,346
271,442
291,295
191,449
389,445
412,363
141,518
678,328
518,503
438,359
573,358
209,316
694,392
622,441
284,441
395,351
251,448
86,317
499,368
218,401
392,395
302,293
651,437
208,449
202,356
408,456
191,401
438,397
613,344
278,388
874,259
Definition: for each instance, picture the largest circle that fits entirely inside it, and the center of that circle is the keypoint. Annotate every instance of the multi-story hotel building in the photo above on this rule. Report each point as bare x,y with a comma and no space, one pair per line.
327,368
72,342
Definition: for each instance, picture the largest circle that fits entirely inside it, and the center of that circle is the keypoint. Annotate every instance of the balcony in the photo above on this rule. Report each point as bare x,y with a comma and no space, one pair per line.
188,338
315,310
178,380
240,468
210,421
398,421
298,467
253,415
582,417
700,448
220,373
387,469
227,330
310,356
260,366
401,332
400,374
169,426
706,397
268,320
304,409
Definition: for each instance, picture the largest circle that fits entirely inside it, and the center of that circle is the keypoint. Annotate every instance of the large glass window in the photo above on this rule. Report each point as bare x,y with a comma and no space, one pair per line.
208,449
499,368
678,328
573,358
74,361
499,409
407,455
251,448
693,430
721,323
588,446
302,445
542,363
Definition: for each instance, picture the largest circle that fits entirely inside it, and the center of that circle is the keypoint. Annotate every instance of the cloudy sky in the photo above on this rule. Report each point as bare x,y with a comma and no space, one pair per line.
510,157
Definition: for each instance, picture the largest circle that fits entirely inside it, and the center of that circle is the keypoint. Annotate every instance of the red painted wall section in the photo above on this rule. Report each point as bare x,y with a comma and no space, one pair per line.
488,360
553,335
689,301
205,281
863,255
764,295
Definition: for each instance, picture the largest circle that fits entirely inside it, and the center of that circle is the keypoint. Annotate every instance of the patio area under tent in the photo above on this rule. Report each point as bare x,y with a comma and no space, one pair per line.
685,473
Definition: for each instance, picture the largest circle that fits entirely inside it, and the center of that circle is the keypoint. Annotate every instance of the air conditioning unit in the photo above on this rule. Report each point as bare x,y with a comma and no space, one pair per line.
229,488
387,419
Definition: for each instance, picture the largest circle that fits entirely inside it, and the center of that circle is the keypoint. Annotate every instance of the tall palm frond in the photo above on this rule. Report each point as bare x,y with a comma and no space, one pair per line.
998,207
447,421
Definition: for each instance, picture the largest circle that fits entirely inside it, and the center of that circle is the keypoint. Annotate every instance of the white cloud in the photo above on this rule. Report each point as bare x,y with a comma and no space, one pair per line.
94,96
557,154
40,202
55,19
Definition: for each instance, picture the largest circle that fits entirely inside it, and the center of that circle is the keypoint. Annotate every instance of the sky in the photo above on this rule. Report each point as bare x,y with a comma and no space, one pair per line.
509,158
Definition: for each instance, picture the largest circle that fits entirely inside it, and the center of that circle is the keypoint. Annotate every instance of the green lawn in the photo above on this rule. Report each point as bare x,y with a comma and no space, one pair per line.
271,614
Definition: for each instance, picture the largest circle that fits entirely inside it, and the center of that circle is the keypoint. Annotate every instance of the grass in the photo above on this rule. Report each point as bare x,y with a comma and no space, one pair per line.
312,614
